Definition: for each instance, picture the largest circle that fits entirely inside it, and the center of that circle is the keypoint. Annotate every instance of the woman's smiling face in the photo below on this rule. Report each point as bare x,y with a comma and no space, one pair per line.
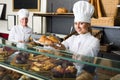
24,21
81,27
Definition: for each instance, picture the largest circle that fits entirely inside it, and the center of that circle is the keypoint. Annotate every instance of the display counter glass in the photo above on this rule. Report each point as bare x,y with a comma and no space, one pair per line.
55,55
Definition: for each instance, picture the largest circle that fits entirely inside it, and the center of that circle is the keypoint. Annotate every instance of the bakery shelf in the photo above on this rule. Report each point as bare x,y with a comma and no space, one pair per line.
53,14
98,62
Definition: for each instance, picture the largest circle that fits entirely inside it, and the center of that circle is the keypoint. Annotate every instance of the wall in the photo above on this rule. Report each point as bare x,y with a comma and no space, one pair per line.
46,5
3,23
60,25
57,24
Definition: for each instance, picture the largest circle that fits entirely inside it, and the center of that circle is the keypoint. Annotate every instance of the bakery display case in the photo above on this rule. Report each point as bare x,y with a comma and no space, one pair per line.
45,63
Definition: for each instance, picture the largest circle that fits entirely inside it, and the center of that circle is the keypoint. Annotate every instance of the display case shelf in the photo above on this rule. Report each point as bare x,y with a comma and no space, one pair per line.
97,62
25,72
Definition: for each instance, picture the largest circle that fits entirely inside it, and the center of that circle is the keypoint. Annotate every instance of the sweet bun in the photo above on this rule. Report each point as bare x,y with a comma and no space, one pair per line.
116,77
21,58
61,10
58,71
64,69
48,40
53,38
2,72
42,39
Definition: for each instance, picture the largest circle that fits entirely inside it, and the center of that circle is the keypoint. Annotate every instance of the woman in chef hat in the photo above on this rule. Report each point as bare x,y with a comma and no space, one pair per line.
84,43
21,33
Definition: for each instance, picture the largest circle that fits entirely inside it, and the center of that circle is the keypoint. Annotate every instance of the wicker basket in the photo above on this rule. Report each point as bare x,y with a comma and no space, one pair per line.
109,7
103,21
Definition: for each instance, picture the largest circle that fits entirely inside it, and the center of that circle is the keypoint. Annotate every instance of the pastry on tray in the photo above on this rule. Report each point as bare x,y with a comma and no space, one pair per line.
48,40
39,58
70,72
64,72
39,66
3,55
15,75
9,50
64,69
42,66
20,60
116,77
44,40
53,39
4,75
2,72
46,51
40,63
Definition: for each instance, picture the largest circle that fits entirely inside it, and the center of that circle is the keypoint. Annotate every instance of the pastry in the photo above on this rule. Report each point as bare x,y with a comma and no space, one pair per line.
53,39
20,60
85,76
2,71
13,74
35,68
9,50
66,72
116,77
58,71
3,55
70,72
7,77
46,51
44,40
61,10
42,66
48,42
39,58
24,77
64,69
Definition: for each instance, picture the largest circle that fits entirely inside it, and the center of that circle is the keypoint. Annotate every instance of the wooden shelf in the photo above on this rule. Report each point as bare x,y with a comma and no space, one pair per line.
53,14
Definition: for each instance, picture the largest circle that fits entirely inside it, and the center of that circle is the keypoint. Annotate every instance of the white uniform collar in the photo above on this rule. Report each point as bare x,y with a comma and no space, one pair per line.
22,27
83,35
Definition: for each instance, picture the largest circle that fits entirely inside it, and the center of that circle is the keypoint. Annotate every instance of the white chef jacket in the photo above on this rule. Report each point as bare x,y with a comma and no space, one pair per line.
83,44
19,33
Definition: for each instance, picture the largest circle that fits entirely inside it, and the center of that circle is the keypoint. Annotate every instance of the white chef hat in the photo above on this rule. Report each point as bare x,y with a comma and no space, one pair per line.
22,13
83,11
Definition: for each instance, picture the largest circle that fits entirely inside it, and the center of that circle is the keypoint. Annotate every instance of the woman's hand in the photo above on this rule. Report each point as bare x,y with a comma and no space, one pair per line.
21,41
76,57
58,46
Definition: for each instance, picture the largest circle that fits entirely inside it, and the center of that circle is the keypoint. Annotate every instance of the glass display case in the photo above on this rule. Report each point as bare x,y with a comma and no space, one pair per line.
47,59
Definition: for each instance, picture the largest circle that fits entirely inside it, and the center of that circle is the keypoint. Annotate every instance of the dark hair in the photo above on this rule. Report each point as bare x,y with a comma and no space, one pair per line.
89,28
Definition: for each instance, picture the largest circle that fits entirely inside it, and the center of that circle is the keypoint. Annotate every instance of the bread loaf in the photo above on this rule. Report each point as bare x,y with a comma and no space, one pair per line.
61,10
44,40
48,40
53,39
